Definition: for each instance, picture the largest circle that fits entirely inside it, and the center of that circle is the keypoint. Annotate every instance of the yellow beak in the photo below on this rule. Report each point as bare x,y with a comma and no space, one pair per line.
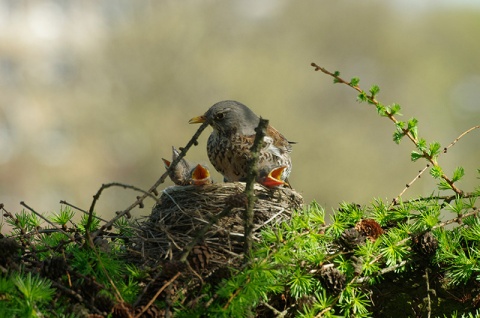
197,120
201,175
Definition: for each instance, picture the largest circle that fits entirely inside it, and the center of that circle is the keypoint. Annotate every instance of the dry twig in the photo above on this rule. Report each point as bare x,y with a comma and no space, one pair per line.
371,99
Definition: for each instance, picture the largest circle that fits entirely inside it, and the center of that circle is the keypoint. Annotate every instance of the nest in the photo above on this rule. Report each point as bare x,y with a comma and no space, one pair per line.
184,211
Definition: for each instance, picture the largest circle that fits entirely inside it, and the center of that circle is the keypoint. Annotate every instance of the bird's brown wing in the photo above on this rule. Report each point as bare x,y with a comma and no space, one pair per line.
274,138
279,140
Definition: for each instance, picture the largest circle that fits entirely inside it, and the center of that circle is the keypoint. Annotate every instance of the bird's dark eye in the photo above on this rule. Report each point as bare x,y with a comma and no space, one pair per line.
219,116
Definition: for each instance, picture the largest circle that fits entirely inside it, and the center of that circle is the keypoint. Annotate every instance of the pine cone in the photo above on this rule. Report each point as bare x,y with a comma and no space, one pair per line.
103,303
370,228
332,279
425,244
199,257
54,267
122,310
9,248
351,238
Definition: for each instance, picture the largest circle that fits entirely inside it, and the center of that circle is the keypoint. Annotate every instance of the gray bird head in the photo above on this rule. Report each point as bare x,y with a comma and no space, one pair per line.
230,117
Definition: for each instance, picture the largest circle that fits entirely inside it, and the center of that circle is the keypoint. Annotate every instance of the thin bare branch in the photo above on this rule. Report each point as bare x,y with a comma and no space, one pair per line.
371,100
395,201
48,221
460,137
81,210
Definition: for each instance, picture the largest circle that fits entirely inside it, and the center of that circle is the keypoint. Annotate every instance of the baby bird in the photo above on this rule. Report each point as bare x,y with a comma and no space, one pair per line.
183,173
271,178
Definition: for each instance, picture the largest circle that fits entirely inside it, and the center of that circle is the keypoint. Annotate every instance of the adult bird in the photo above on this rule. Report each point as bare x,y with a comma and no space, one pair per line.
229,144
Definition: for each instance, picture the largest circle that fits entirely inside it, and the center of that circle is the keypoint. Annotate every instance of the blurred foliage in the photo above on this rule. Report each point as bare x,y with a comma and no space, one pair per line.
128,97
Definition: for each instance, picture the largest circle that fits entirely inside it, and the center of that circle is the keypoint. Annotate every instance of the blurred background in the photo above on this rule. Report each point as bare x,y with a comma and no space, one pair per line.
98,91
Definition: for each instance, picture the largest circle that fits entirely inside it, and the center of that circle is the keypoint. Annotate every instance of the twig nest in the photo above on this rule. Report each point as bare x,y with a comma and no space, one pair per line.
183,211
